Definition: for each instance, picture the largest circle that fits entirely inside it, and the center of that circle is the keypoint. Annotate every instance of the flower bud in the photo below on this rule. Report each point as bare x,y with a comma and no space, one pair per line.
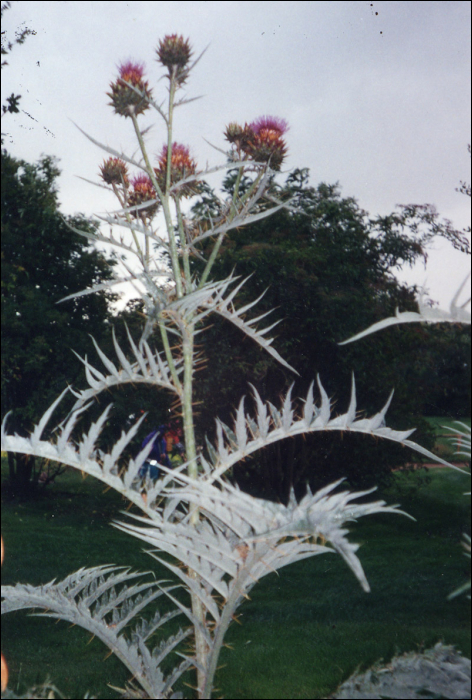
143,191
239,136
182,166
124,99
174,53
114,171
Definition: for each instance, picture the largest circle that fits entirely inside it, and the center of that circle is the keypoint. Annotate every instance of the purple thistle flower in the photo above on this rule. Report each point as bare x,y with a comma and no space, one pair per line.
280,126
131,72
141,181
182,165
180,157
265,141
125,99
142,191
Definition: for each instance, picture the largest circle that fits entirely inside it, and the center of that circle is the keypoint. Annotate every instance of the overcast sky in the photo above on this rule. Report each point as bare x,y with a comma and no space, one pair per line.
377,95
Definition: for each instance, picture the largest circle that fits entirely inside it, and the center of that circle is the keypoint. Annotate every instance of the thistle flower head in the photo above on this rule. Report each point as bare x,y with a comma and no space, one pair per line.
261,140
124,99
114,171
142,191
174,53
233,132
272,124
180,158
267,144
182,165
239,136
132,72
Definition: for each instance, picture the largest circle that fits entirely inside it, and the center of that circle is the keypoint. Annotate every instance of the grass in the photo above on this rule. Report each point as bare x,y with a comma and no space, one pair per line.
303,631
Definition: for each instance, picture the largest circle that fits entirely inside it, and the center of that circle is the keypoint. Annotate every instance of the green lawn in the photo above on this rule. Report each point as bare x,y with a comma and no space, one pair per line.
303,631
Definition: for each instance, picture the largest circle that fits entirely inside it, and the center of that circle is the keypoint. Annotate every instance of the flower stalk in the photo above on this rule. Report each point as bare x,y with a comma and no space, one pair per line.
232,214
165,208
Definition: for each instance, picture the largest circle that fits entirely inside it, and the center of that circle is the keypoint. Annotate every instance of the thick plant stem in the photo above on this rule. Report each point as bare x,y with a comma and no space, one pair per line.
226,616
183,241
190,446
211,259
187,348
169,132
201,646
225,621
146,245
169,357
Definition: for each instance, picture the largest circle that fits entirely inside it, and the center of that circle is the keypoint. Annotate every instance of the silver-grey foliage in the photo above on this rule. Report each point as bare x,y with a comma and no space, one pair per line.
427,314
238,539
97,600
221,541
272,425
38,692
440,672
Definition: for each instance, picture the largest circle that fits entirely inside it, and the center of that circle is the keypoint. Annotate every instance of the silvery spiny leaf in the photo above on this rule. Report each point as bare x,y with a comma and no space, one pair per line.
89,598
108,285
440,672
427,314
111,151
259,528
285,423
148,368
225,308
97,236
239,220
87,456
463,439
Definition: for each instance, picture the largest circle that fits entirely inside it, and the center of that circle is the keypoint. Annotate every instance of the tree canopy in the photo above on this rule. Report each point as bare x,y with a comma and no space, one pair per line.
43,260
327,270
12,102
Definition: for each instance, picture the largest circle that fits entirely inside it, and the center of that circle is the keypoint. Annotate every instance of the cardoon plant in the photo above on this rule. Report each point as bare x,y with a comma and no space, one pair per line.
221,540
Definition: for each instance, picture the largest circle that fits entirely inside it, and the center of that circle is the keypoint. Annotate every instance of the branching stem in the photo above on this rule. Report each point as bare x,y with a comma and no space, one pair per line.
233,212
165,206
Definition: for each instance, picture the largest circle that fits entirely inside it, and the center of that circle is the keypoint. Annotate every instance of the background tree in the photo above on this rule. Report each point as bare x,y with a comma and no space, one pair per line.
43,260
445,371
328,271
465,189
21,33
